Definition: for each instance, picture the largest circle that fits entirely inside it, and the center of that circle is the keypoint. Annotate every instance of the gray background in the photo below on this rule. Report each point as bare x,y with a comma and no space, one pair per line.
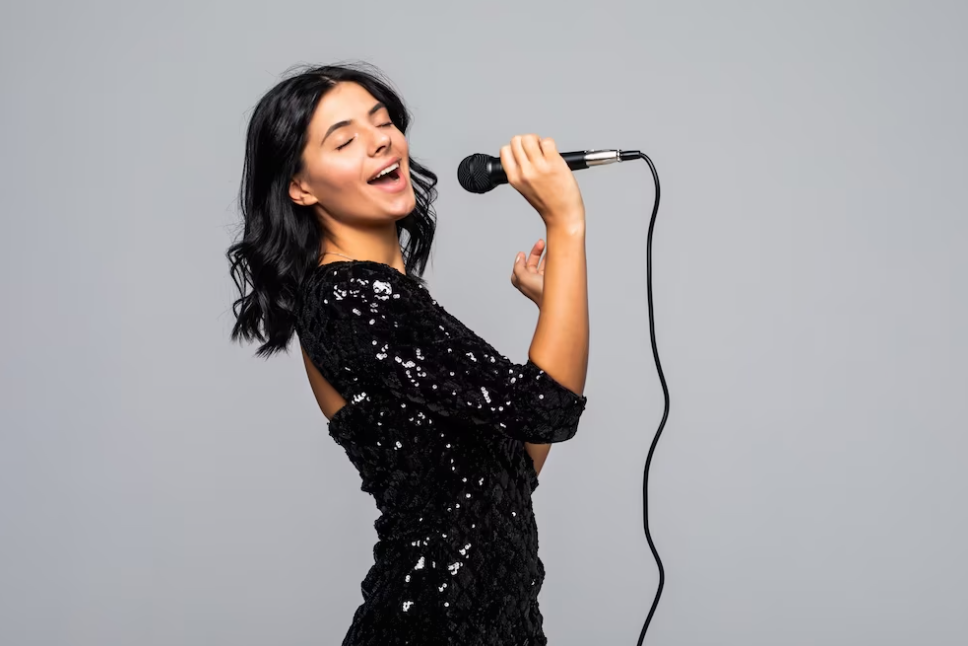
159,485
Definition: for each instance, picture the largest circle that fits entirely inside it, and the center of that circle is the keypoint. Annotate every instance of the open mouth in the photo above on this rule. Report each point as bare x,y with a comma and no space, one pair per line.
387,176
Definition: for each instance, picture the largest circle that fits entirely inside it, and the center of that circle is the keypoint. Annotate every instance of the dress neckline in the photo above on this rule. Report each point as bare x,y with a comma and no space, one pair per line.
372,263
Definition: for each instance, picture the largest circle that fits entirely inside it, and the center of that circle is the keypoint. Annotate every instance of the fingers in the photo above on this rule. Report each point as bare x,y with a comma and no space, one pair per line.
549,147
520,157
535,256
532,148
524,152
534,263
510,164
528,152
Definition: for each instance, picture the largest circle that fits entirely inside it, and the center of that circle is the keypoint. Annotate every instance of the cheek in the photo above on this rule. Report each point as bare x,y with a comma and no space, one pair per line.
335,178
343,170
401,144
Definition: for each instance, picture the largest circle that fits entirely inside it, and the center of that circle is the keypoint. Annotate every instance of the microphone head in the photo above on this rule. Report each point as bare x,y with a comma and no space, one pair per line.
473,173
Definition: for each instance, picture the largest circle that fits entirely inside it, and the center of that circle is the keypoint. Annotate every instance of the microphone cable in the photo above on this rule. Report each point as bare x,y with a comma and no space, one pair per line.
627,155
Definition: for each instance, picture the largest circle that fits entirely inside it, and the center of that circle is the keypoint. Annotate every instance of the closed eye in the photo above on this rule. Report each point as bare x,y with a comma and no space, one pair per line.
342,146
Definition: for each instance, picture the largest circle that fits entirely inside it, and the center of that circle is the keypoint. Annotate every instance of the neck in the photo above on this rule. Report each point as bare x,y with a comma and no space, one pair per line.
374,244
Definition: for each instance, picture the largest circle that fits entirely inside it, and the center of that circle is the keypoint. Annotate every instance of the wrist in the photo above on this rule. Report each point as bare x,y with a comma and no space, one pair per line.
569,229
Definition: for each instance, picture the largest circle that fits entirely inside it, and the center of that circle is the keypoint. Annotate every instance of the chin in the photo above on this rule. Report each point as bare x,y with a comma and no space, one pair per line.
404,206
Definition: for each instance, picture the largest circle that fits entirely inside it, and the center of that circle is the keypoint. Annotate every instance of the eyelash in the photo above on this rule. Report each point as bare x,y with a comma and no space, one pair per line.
342,146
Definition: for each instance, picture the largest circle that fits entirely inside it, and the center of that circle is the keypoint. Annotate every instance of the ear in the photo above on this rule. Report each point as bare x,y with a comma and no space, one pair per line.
300,193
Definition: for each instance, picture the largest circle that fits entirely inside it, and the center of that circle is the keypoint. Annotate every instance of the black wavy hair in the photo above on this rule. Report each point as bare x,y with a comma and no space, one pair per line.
281,240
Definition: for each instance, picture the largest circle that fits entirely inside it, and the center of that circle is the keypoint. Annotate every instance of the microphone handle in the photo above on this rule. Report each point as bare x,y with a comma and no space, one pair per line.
576,161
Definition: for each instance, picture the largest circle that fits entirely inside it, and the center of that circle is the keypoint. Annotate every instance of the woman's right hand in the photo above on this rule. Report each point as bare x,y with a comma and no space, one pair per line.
537,170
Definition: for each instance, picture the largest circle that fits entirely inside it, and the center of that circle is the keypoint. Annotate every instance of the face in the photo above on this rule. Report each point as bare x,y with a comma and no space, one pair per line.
350,140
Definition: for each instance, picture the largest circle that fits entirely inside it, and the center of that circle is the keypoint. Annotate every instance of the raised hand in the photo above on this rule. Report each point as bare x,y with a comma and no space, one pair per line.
527,276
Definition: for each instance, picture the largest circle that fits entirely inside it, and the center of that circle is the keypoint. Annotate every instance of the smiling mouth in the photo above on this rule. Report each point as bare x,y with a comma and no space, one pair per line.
391,174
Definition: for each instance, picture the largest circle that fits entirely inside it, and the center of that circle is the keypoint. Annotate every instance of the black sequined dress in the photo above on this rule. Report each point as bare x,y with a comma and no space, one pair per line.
435,422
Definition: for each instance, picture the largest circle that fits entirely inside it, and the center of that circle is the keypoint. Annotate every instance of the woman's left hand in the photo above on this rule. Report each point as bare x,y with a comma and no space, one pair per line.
528,274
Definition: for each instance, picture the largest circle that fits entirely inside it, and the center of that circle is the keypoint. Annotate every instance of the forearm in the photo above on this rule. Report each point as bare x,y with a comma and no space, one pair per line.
560,343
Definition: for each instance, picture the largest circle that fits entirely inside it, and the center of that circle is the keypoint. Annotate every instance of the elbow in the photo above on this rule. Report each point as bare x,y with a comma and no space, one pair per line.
548,432
554,424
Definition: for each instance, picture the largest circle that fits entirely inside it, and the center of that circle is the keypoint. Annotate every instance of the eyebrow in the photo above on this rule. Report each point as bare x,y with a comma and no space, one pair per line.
342,124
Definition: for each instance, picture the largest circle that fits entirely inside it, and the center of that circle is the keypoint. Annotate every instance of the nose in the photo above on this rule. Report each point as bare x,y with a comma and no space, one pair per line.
380,141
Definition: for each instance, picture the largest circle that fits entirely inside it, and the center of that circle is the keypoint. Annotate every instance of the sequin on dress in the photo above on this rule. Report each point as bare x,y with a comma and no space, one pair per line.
435,422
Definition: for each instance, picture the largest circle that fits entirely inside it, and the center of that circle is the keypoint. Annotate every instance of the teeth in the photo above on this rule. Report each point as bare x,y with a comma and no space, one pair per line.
386,170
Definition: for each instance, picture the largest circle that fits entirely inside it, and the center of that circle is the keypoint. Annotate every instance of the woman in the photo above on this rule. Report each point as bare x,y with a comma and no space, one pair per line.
443,429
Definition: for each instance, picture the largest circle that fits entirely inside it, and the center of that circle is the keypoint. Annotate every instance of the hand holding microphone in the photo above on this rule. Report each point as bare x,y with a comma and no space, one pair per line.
535,169
480,173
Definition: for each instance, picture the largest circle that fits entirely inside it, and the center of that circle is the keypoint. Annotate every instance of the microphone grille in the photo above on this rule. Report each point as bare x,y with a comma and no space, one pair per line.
472,173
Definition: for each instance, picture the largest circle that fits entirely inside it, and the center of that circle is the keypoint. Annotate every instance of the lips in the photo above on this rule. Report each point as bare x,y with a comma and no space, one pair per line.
383,168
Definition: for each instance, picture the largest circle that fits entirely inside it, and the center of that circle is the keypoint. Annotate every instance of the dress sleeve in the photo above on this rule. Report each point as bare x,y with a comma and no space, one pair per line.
389,334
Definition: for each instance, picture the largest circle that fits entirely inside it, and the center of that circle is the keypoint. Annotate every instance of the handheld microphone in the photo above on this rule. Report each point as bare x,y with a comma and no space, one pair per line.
480,173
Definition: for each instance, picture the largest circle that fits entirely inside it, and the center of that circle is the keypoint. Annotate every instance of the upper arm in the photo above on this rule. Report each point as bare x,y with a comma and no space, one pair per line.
538,453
